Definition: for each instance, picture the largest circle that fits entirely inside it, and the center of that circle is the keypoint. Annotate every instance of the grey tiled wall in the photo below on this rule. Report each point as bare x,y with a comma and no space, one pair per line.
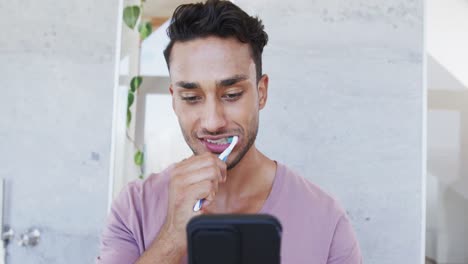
345,109
56,79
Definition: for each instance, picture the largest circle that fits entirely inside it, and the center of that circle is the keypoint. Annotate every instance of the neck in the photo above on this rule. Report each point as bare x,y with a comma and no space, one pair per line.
248,184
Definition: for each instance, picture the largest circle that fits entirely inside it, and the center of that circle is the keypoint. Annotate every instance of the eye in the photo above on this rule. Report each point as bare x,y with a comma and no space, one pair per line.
191,99
232,96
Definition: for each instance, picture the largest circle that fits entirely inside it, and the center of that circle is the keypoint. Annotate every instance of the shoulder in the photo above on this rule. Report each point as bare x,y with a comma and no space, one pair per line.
305,194
132,218
136,194
152,184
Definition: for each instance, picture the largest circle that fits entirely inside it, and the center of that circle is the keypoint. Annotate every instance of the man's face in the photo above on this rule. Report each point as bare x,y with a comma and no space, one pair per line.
215,95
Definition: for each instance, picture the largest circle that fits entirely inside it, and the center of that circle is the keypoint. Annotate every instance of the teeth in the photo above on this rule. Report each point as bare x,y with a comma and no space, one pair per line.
221,141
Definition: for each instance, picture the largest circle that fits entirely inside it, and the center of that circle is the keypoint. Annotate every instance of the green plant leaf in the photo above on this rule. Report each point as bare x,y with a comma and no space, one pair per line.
145,30
129,117
131,15
141,177
138,158
130,99
135,83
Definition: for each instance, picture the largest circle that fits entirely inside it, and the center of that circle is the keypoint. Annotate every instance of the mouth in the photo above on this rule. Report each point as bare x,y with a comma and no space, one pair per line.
220,141
217,145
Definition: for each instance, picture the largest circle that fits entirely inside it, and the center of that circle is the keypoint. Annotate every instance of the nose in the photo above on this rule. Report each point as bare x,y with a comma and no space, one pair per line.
213,119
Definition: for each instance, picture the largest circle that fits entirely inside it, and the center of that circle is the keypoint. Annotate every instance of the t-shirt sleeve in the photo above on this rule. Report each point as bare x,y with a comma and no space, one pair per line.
344,248
118,242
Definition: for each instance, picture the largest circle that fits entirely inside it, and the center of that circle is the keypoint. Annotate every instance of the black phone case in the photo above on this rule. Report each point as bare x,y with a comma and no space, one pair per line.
234,239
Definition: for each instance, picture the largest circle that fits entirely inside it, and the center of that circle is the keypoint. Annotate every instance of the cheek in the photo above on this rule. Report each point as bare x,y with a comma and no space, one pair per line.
244,113
184,116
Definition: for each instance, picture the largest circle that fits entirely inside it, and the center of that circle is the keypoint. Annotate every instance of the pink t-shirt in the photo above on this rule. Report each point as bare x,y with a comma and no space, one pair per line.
316,229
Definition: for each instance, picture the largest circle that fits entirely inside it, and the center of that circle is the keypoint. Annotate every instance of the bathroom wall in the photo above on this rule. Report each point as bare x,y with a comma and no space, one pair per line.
57,83
346,110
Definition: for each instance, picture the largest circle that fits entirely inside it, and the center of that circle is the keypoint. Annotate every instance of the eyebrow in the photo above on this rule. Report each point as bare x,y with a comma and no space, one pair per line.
222,83
188,85
231,80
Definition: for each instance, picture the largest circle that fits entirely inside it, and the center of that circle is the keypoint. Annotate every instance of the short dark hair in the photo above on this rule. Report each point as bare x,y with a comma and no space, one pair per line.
217,18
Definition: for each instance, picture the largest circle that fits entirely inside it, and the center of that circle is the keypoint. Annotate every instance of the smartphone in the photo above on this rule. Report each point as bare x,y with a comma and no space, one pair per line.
234,239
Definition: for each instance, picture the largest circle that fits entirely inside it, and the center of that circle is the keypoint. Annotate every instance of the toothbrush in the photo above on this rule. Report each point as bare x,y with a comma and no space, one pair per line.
223,156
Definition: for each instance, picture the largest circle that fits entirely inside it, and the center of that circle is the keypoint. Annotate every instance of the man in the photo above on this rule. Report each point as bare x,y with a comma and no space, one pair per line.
218,89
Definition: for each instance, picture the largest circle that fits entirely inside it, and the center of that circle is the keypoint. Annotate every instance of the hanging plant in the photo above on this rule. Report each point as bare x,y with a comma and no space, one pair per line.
131,15
134,85
145,30
132,18
138,158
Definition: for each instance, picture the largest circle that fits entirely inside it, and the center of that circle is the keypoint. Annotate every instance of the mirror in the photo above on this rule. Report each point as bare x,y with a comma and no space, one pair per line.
345,109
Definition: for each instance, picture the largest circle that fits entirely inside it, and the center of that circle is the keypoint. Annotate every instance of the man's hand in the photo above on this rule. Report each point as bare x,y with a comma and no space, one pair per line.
192,179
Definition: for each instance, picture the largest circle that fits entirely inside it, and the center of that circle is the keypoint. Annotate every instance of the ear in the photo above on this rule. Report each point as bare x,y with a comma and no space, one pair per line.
262,91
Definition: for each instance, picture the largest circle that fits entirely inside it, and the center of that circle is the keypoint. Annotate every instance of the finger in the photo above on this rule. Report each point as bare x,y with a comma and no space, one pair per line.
196,162
205,174
222,169
204,190
211,196
208,159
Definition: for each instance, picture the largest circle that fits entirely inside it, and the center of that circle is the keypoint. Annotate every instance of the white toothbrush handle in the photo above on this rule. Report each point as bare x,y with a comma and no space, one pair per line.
198,205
